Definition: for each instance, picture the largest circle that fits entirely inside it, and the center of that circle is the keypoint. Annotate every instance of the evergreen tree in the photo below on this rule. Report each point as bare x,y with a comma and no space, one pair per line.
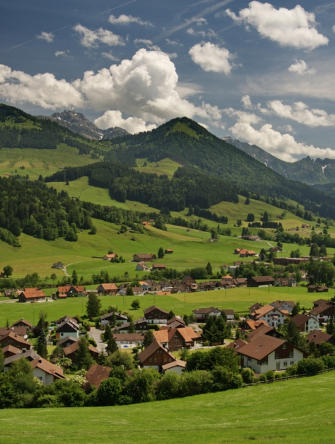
209,269
42,345
314,250
296,309
160,253
93,306
135,305
2,360
129,291
107,333
83,358
148,338
74,278
323,251
111,345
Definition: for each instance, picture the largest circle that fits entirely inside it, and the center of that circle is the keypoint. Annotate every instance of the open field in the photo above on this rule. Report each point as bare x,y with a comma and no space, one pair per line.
163,166
294,411
35,162
238,299
191,249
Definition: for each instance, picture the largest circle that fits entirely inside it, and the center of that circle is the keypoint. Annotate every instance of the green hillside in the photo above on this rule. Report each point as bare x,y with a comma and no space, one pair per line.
294,411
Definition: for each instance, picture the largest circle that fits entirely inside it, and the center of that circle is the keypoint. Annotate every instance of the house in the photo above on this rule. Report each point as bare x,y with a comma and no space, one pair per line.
251,238
201,314
129,340
66,318
158,267
141,266
140,325
29,355
145,286
96,374
290,260
272,316
283,305
262,330
10,350
177,366
45,371
14,340
58,265
113,317
241,282
246,253
266,353
110,257
68,340
305,323
67,328
319,337
168,251
22,323
107,288
32,295
155,356
255,306
144,257
317,289
177,338
155,315
71,350
260,281
285,282
251,324
323,311
69,290
229,314
176,322
236,344
19,331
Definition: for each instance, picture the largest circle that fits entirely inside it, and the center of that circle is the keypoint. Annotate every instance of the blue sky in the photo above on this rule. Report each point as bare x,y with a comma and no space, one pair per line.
262,72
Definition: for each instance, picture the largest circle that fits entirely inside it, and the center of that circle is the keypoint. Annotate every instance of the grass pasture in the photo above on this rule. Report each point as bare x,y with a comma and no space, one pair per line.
238,299
295,411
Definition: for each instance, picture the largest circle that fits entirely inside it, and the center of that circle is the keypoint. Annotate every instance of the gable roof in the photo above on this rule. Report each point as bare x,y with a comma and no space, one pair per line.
176,363
154,307
237,344
206,310
97,373
68,322
33,293
74,347
22,321
253,325
318,337
261,347
262,279
67,339
262,311
153,347
11,349
109,286
300,320
48,367
18,339
261,330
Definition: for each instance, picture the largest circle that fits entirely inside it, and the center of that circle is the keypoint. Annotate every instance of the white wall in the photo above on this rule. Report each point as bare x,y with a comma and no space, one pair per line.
273,363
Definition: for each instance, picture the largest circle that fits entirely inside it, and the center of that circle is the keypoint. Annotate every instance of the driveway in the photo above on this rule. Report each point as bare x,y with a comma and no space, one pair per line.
95,333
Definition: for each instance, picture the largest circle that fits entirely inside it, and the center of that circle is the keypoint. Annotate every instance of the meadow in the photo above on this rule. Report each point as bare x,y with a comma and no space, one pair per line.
238,299
294,411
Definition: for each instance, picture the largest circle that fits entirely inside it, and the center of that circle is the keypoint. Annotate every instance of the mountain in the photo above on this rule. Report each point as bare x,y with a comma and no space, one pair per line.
307,170
79,124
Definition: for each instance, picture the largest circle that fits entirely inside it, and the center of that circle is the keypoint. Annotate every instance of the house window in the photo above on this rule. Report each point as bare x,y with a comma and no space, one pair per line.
291,362
285,363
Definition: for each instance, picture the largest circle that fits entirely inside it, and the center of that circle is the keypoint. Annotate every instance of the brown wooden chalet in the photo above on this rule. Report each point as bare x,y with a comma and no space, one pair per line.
176,322
177,338
257,281
140,325
71,350
22,323
10,350
323,311
109,288
155,356
142,257
155,315
201,314
70,290
319,337
10,338
32,295
68,340
113,317
317,289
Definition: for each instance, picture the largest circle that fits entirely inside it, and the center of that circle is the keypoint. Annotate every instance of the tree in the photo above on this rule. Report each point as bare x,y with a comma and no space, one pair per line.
2,360
109,391
250,217
265,218
148,338
93,306
7,271
107,334
135,305
296,309
129,291
111,345
209,269
323,251
160,253
74,278
247,201
83,358
314,250
42,345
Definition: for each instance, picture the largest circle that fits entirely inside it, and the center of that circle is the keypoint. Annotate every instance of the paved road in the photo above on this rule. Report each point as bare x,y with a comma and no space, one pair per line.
95,333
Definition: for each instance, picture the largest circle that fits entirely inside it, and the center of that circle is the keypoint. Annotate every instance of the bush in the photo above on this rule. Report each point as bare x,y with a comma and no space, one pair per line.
310,366
247,375
109,392
169,386
329,361
270,376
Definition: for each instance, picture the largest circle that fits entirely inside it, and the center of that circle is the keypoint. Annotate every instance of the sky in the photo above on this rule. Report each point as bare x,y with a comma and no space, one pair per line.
260,72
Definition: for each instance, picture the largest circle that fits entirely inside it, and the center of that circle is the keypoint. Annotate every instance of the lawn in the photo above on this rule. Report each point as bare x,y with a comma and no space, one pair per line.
295,411
238,299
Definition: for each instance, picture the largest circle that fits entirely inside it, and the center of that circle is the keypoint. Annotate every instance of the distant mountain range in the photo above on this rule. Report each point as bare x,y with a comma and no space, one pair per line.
307,170
78,123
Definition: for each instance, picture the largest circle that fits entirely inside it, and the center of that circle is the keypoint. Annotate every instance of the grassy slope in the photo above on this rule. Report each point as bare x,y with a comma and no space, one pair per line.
38,161
164,166
295,411
238,299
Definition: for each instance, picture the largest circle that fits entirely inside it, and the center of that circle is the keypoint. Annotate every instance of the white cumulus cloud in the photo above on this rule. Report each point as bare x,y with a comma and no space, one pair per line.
91,38
300,67
124,19
113,118
47,36
300,112
61,53
211,57
289,27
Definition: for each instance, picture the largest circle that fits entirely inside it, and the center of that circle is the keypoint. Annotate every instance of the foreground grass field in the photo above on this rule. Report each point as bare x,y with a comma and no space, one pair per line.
238,299
295,411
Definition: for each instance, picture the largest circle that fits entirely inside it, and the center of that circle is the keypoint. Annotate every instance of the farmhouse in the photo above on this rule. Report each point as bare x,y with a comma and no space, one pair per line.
158,267
45,371
272,316
229,314
10,350
129,340
22,323
155,315
107,288
32,295
305,323
201,314
113,317
323,311
68,340
266,353
283,305
67,328
177,338
140,325
141,266
176,322
155,356
10,338
259,281
69,290
110,257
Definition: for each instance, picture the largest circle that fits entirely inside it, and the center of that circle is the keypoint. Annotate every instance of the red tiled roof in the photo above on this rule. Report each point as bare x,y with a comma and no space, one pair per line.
33,293
109,286
96,374
48,367
261,347
318,337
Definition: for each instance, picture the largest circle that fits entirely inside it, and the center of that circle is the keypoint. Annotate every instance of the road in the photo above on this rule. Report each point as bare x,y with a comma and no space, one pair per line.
95,334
